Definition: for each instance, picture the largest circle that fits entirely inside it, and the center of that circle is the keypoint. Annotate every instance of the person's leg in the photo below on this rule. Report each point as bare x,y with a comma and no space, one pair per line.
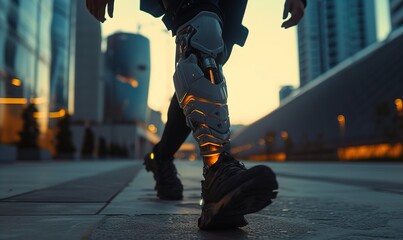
160,160
175,132
229,190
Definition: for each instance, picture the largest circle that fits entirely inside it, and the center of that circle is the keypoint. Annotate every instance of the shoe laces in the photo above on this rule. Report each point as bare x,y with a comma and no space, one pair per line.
229,166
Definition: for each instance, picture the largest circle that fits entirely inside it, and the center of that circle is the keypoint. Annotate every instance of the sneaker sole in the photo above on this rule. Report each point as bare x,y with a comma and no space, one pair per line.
223,222
248,198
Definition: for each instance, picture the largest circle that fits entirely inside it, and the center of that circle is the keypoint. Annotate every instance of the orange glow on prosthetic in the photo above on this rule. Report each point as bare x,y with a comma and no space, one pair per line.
210,143
209,160
212,77
190,98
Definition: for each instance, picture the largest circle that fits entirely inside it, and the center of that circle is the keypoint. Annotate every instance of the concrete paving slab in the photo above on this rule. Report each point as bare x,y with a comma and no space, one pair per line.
286,218
185,227
315,201
316,207
47,227
24,177
139,197
98,188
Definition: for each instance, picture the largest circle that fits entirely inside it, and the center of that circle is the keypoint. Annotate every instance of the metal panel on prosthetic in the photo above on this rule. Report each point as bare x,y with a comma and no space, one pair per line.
200,86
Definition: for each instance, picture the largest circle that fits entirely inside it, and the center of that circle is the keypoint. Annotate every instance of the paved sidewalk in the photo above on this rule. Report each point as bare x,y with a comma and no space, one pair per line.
116,200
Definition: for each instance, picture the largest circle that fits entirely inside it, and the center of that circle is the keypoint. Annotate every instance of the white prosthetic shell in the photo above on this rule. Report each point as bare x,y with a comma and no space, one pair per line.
203,102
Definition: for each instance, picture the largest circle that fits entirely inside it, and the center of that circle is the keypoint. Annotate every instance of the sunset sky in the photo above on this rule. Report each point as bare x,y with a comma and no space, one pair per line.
254,73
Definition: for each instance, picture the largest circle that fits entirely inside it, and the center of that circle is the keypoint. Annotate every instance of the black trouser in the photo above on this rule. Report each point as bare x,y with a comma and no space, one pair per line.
175,132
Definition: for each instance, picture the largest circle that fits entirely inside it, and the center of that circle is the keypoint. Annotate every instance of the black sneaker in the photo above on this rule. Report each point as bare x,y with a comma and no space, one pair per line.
230,191
167,183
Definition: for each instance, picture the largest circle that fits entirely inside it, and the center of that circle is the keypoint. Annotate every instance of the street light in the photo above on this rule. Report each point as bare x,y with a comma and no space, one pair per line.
399,106
152,128
284,135
342,125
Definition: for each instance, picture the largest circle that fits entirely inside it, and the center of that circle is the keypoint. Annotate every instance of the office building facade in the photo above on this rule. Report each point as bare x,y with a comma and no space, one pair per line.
354,112
25,60
87,82
330,32
62,46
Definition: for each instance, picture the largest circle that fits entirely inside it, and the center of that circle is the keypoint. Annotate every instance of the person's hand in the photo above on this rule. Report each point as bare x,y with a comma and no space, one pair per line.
296,8
97,8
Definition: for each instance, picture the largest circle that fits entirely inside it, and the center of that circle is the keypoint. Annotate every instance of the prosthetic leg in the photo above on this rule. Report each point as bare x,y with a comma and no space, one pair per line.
200,85
229,190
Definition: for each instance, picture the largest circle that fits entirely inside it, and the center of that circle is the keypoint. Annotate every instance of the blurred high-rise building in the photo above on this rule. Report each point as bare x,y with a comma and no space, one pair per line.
331,31
25,60
88,85
127,78
396,13
62,53
50,56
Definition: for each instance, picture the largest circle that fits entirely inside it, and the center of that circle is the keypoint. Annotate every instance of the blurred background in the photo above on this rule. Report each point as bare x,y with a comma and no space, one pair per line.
330,89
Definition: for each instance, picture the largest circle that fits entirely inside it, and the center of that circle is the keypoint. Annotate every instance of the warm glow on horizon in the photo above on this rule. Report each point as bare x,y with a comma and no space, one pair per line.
22,101
13,101
371,151
278,157
59,114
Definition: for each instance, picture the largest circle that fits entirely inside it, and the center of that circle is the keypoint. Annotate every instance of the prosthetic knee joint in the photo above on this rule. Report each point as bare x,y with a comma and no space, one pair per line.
199,83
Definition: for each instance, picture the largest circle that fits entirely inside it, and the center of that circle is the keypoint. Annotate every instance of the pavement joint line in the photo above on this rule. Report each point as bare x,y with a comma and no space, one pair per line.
102,208
6,199
119,191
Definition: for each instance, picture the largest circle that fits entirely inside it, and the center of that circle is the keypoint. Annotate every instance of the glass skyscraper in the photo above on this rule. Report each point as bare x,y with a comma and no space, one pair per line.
25,59
127,78
61,44
331,31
